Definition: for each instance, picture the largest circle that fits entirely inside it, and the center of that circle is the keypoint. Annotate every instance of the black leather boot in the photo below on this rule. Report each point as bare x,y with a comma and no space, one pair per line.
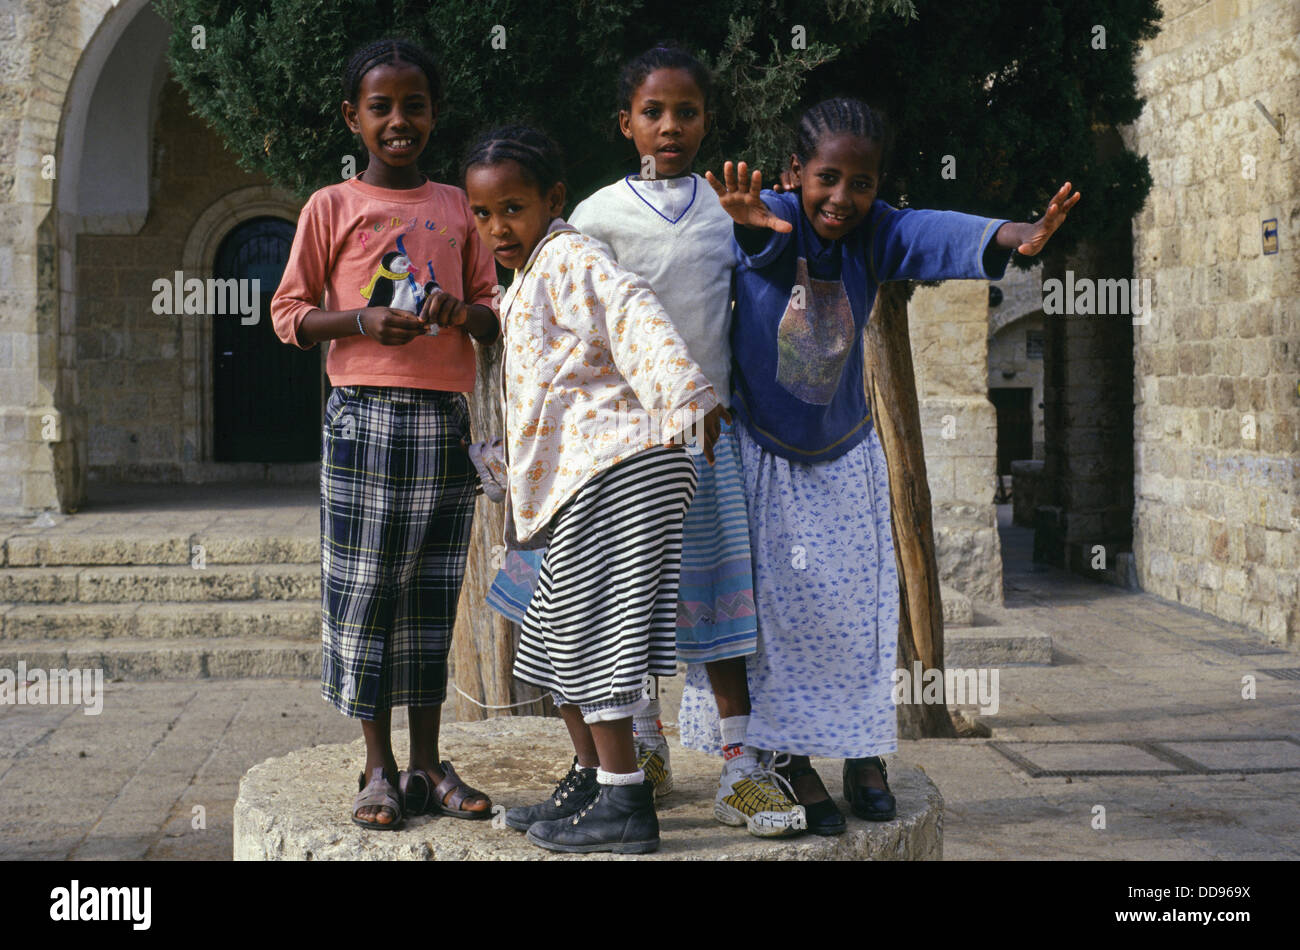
621,818
575,790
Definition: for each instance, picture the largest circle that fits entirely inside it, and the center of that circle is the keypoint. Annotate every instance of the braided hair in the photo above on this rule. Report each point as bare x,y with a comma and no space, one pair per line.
389,52
663,56
530,148
840,116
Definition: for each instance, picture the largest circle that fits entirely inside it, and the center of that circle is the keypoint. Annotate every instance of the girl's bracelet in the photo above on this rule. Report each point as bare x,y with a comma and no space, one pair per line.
360,325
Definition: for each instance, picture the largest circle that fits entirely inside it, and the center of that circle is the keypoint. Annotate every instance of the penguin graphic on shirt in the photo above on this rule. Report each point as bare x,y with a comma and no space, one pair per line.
394,285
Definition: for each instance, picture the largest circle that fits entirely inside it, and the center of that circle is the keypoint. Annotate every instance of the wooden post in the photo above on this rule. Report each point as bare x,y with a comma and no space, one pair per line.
484,642
891,392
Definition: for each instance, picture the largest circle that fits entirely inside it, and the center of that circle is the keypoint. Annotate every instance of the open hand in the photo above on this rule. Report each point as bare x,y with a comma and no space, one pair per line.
1036,234
738,194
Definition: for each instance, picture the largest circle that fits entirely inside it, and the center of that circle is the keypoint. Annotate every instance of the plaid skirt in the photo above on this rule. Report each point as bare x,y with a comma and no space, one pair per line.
397,501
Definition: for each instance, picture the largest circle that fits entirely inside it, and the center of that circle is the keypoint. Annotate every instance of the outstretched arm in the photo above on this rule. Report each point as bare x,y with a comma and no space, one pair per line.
1029,238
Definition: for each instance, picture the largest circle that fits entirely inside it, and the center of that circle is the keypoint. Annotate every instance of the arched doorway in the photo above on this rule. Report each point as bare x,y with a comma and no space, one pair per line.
266,396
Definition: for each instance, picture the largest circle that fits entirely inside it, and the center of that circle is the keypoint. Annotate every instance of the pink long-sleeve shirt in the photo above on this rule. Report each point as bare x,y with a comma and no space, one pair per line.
354,236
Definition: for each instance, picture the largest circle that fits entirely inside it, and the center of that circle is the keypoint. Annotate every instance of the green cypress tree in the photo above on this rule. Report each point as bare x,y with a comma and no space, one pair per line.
1013,91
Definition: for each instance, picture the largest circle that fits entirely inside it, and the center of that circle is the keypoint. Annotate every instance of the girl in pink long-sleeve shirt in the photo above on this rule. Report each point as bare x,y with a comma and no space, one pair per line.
388,268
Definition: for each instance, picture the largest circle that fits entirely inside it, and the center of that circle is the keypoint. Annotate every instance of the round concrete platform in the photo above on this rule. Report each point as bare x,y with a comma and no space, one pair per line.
296,807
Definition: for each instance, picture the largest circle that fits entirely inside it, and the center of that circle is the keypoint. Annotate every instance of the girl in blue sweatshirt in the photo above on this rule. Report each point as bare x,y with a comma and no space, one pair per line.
825,582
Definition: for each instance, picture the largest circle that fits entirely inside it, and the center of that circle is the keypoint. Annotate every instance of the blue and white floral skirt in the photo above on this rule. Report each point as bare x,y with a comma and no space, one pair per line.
826,590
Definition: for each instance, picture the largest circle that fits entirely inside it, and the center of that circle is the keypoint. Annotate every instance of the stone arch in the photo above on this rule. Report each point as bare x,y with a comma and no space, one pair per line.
999,326
1022,296
205,237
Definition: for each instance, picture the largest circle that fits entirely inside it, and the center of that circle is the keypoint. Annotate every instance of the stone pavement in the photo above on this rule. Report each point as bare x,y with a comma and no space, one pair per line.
1132,717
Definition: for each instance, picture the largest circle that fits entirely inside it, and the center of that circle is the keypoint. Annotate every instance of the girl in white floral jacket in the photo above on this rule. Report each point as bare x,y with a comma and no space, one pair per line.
600,395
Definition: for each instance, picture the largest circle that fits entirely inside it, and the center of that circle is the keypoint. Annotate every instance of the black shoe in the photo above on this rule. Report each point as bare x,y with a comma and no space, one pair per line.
575,790
869,803
621,818
824,817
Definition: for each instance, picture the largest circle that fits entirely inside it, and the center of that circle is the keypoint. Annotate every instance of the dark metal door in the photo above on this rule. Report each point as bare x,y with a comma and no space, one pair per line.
266,395
1015,426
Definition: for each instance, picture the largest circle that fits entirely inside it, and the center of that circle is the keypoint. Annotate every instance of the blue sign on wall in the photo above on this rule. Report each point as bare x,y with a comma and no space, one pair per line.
1270,236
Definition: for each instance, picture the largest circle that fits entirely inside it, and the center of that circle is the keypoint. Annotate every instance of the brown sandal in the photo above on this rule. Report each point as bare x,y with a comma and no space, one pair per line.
451,793
379,793
416,790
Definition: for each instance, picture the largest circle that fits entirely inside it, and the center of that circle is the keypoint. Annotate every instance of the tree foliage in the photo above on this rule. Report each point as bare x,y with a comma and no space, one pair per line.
1017,92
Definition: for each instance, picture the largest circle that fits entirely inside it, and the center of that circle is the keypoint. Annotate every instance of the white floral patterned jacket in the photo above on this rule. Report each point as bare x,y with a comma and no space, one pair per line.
593,372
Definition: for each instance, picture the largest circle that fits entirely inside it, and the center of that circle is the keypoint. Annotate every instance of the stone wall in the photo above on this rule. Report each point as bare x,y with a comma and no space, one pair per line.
40,45
1217,519
139,373
949,331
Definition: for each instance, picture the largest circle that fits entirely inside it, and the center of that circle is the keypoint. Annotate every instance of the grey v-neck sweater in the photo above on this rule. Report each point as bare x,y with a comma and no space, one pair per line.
688,263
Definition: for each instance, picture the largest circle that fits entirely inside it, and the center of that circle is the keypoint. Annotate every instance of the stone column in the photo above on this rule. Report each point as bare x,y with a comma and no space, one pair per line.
949,331
1088,420
40,452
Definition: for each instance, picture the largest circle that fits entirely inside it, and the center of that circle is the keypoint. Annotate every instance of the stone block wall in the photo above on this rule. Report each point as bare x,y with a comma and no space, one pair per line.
948,325
39,453
137,378
1217,481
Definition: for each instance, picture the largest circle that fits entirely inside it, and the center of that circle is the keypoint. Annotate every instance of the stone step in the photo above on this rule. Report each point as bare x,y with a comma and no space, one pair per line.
996,646
226,658
288,620
81,584
62,546
957,610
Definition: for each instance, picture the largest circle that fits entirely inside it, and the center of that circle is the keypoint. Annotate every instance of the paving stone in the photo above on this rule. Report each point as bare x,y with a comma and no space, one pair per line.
1240,753
1088,757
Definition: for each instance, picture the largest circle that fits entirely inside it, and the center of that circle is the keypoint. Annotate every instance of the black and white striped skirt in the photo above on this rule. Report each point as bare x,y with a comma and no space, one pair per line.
604,614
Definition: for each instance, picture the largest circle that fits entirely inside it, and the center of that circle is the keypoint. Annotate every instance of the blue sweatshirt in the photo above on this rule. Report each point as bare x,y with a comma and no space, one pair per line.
802,304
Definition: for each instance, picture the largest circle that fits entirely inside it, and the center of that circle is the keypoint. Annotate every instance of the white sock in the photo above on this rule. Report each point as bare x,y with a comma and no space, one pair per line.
647,724
733,730
734,750
620,778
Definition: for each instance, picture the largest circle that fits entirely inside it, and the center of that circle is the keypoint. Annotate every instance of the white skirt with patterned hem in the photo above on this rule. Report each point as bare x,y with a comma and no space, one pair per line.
826,591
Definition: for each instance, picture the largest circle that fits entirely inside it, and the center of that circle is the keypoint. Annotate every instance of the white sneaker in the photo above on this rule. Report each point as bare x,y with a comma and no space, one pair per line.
652,757
753,795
